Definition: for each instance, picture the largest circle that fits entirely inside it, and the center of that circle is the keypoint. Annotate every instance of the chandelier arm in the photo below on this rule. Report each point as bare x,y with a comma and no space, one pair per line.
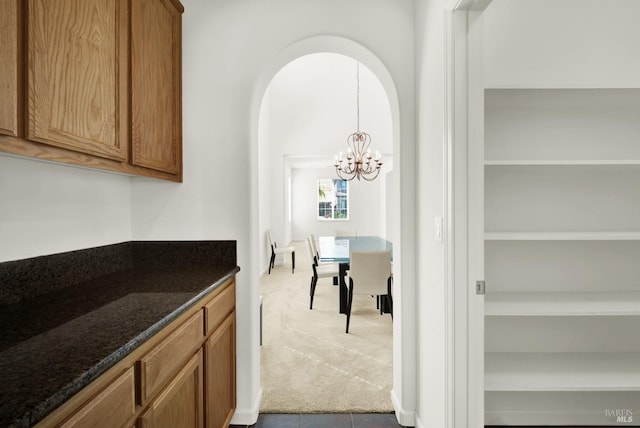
367,143
346,177
371,178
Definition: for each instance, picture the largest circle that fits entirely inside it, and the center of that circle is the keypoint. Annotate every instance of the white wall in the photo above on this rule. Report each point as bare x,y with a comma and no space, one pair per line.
265,189
312,103
49,208
307,113
229,47
562,43
365,216
431,296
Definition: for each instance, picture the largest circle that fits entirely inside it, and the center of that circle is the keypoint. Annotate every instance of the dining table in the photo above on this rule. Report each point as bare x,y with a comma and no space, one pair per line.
338,249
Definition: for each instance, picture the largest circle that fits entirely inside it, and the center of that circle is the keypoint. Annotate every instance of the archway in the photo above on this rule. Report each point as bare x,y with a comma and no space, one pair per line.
308,110
404,330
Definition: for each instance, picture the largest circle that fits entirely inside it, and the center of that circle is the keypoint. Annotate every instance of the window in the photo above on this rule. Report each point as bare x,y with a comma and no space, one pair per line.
333,199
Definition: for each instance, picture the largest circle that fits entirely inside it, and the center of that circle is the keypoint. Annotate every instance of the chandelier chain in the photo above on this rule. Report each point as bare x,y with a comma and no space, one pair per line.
359,162
358,95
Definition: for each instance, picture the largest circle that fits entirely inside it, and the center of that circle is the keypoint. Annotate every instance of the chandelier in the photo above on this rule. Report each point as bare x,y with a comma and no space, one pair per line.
358,163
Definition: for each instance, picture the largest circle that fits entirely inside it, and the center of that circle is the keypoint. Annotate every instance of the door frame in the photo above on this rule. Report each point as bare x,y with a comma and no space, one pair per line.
464,208
403,394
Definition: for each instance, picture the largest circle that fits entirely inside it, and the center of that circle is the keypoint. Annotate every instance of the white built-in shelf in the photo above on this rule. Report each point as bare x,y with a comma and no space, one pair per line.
575,371
595,303
561,170
562,236
559,162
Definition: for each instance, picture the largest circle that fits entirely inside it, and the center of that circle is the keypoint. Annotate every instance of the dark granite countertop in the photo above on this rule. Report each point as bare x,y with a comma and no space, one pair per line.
54,344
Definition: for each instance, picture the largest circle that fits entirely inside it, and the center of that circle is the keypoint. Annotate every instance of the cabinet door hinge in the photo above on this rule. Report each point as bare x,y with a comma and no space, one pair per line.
480,287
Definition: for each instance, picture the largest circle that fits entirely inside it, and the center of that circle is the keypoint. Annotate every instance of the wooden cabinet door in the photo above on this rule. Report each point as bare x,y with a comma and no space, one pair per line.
77,66
220,376
10,70
156,110
113,407
217,310
161,363
180,404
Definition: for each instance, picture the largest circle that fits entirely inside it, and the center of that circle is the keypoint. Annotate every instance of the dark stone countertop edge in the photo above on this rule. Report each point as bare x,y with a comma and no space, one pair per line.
75,386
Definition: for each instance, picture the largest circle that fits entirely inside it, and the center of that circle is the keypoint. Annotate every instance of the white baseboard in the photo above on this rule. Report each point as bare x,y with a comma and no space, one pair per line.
405,417
571,417
248,416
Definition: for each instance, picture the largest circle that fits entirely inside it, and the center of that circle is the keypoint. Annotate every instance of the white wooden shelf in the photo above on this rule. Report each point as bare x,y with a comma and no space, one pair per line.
576,371
596,303
559,408
561,207
562,236
560,162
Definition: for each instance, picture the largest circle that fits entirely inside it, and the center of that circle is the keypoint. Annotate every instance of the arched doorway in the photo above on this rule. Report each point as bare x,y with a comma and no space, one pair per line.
308,363
403,232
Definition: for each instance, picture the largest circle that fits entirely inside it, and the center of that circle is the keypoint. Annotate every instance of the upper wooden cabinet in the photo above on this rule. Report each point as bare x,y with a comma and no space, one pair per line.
155,84
77,68
10,67
102,83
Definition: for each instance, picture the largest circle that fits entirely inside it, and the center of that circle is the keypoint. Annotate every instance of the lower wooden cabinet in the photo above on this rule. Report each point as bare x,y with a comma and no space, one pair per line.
220,385
184,376
113,407
180,403
161,363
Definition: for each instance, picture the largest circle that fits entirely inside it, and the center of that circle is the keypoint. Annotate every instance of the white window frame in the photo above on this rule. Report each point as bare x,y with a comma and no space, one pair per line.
326,193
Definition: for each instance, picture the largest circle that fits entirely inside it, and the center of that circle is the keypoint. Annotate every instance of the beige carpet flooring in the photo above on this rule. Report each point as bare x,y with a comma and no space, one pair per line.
309,364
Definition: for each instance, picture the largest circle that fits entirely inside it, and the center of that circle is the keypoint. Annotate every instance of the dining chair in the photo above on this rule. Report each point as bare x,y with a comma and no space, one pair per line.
275,250
314,248
316,252
319,271
370,274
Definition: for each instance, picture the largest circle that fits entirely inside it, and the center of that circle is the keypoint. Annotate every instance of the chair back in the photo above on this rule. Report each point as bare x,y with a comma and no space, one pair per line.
314,247
312,258
370,271
343,233
270,239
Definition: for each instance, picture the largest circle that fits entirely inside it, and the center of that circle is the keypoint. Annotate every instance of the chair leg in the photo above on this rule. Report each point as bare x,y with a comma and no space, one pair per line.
272,261
293,261
389,298
312,290
349,302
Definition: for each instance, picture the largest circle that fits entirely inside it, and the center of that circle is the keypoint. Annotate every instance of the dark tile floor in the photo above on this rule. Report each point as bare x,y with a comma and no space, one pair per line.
342,420
329,420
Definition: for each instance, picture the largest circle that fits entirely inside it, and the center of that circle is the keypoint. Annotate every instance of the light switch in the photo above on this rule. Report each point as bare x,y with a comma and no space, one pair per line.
438,229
